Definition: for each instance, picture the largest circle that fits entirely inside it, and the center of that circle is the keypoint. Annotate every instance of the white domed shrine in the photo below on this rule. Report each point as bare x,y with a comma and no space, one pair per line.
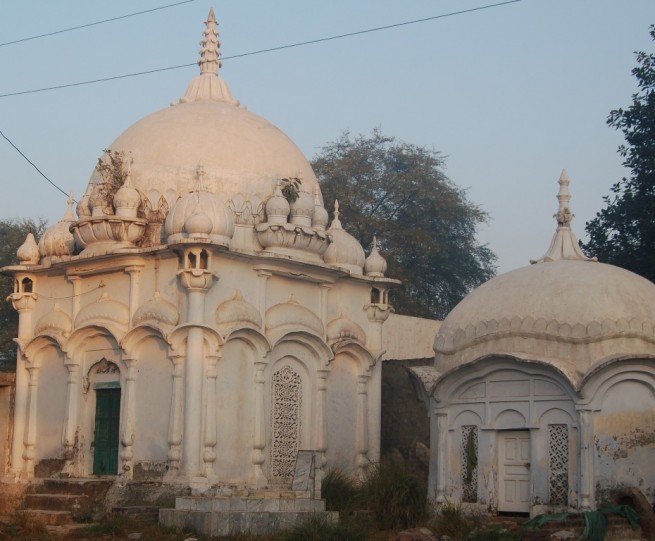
542,394
178,330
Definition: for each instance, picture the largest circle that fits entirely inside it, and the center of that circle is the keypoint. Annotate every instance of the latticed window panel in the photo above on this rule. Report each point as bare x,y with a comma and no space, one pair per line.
287,403
558,464
470,463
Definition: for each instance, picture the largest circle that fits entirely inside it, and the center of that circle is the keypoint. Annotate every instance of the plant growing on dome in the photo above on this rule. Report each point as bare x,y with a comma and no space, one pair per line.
290,188
113,168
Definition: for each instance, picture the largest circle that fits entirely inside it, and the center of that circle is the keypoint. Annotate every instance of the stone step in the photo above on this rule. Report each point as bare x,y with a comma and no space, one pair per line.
272,505
76,486
231,522
48,518
76,503
138,513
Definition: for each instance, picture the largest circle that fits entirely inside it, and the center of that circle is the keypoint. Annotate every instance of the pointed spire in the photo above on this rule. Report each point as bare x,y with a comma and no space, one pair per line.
210,51
336,223
564,244
208,85
68,215
200,176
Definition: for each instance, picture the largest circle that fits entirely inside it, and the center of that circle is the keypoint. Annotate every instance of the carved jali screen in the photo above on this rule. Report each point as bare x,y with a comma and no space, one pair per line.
287,402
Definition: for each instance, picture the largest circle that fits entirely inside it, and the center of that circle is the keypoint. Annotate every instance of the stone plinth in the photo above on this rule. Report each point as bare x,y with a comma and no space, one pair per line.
259,512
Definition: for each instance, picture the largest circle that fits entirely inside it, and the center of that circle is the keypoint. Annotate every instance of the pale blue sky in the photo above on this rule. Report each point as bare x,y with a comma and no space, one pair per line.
511,94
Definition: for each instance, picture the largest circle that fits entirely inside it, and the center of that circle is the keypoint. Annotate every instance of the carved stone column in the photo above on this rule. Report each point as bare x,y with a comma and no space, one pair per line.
29,440
24,304
259,436
441,435
129,420
71,419
209,452
197,281
175,419
362,424
321,430
586,459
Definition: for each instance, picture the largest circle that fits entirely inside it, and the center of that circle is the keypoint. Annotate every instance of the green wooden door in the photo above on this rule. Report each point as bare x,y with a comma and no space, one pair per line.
105,454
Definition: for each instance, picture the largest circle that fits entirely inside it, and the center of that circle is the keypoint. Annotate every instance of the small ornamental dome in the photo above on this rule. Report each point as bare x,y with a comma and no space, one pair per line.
375,265
199,215
57,242
291,316
104,312
198,224
237,313
277,207
342,329
302,209
55,322
320,216
127,200
157,311
344,250
28,252
566,310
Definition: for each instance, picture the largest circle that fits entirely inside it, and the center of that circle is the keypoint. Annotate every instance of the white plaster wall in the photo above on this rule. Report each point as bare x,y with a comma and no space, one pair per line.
406,337
153,396
51,403
625,439
235,402
342,414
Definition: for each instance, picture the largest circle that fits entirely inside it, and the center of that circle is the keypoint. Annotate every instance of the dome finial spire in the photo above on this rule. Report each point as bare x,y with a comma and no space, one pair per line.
210,51
564,244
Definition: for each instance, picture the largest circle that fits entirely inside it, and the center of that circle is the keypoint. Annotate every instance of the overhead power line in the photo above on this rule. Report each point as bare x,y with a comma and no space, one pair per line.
31,162
261,51
63,30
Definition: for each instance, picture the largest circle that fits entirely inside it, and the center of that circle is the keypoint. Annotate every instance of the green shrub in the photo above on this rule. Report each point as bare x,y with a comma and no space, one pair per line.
318,528
339,490
397,498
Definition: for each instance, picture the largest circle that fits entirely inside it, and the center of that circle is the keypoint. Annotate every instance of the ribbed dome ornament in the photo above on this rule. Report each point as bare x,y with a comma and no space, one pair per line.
375,265
208,85
564,244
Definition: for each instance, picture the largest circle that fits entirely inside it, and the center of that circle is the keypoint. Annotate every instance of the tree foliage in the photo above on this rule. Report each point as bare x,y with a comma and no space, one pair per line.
623,233
12,235
425,224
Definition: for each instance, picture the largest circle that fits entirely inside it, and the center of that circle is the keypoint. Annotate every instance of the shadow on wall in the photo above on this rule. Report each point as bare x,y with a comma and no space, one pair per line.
405,432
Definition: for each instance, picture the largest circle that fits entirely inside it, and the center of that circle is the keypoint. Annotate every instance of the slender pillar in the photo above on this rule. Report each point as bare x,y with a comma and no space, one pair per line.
197,280
262,282
324,289
175,419
586,460
71,419
362,424
23,303
209,453
134,272
321,430
259,437
441,444
29,441
129,420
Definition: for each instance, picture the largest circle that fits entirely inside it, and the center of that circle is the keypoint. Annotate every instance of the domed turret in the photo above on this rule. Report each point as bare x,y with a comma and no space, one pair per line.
344,251
199,215
566,308
375,265
57,242
28,252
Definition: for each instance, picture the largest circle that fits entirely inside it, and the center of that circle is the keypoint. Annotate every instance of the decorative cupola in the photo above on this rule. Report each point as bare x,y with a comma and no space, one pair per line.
199,216
320,217
297,238
28,252
277,207
375,265
564,244
208,85
344,251
57,242
127,199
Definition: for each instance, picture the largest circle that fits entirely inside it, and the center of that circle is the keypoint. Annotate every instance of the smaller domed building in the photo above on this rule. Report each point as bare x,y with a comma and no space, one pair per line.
542,394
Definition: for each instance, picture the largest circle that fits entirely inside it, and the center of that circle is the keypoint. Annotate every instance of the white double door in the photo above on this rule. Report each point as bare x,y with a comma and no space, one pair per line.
514,471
